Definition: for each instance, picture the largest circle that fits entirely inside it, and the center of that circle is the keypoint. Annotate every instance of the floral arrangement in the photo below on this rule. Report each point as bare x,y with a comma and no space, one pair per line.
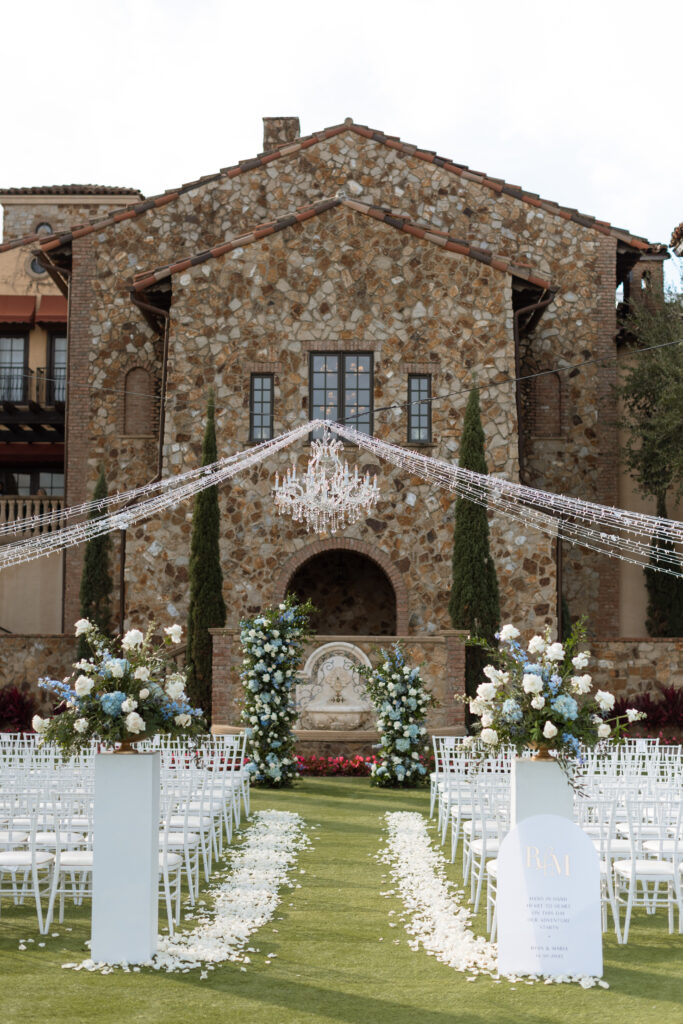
272,644
357,766
401,702
539,697
126,691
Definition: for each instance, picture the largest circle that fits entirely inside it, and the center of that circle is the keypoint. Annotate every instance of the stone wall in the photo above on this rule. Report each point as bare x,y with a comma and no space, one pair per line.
26,659
22,218
442,658
629,667
576,326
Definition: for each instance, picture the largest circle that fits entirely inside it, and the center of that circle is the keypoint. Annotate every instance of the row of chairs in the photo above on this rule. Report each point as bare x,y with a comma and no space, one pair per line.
628,802
46,821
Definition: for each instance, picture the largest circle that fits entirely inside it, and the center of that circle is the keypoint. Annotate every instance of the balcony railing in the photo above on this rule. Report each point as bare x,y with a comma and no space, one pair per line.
20,387
21,512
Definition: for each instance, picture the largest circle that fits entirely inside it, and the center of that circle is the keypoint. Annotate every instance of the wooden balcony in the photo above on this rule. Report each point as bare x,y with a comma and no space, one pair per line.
20,512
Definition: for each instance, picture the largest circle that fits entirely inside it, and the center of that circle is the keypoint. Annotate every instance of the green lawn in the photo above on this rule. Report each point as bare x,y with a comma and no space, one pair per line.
331,967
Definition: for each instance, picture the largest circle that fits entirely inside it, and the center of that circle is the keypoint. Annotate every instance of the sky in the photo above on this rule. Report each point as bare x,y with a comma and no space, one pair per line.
578,102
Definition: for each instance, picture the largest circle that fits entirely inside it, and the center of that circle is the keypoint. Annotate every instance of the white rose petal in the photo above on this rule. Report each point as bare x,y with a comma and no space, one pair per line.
549,731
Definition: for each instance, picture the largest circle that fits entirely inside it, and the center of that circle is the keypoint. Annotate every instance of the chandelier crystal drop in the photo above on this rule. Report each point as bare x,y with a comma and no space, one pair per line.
328,497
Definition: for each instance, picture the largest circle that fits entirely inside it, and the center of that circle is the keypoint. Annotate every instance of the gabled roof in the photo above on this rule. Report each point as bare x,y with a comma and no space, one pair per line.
677,240
394,220
496,185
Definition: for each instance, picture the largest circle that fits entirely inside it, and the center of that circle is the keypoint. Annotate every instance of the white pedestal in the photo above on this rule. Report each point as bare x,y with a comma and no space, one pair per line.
539,787
125,901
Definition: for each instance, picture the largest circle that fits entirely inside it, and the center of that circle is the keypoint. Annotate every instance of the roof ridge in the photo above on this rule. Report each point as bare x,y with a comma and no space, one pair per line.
392,218
498,185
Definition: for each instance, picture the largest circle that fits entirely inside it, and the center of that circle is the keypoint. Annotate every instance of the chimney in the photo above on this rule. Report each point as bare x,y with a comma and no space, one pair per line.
279,131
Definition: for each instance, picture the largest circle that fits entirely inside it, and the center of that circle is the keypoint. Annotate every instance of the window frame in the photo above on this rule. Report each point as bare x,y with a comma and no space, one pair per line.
252,407
342,355
19,335
413,412
52,383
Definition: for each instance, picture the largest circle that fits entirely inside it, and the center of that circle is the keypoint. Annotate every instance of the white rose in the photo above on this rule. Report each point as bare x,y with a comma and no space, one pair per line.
549,731
509,632
581,684
144,693
486,719
39,724
536,645
580,660
83,626
134,723
555,652
604,700
476,707
81,724
83,686
175,633
531,683
489,736
141,673
634,716
182,720
538,702
486,691
604,730
133,638
116,669
175,689
129,705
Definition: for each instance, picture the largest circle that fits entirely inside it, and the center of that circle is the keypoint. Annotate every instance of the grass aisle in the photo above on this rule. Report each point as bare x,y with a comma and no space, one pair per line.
331,967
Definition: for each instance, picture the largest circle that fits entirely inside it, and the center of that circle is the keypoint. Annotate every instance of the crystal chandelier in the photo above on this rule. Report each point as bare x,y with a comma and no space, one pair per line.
328,497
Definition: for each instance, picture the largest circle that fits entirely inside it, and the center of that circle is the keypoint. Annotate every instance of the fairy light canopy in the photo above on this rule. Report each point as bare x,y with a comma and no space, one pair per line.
617,533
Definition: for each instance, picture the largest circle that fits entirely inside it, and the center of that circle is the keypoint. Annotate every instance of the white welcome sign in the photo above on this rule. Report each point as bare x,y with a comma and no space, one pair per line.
548,899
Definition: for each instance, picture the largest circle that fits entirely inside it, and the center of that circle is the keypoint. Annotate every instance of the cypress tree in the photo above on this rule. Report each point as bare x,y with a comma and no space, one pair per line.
207,607
96,582
664,591
474,602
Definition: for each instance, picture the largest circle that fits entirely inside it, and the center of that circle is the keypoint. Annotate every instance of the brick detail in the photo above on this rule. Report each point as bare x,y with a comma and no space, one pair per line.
77,422
546,406
138,402
346,544
607,622
453,714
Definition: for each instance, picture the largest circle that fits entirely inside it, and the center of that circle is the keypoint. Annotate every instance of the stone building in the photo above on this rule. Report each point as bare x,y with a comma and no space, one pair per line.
350,274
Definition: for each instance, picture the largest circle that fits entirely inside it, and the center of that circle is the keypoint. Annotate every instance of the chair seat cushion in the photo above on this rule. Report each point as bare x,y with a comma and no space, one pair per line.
22,858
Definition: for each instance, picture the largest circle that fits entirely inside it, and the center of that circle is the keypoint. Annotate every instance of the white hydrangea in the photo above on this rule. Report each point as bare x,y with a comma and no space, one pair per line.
581,684
83,686
129,705
580,660
489,736
604,700
509,632
175,689
531,683
39,724
486,691
635,716
536,645
133,638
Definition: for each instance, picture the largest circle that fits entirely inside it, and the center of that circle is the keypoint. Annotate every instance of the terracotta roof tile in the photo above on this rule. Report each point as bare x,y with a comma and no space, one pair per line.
391,218
71,190
461,170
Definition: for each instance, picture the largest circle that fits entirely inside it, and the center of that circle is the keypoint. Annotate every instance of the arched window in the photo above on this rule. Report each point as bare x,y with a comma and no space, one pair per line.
138,403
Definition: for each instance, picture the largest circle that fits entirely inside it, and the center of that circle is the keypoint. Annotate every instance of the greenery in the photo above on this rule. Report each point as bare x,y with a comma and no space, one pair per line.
474,601
401,703
207,606
652,398
338,960
538,696
272,647
96,581
126,691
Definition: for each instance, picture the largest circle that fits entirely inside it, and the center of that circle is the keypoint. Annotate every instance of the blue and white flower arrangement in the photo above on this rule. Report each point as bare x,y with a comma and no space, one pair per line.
538,696
272,647
128,690
401,701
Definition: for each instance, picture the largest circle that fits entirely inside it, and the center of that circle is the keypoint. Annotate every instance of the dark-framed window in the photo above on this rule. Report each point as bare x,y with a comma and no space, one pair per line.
419,408
56,368
13,367
341,388
261,406
32,481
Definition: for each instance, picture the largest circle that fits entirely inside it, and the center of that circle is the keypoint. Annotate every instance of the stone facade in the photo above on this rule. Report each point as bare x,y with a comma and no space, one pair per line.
432,271
629,667
26,659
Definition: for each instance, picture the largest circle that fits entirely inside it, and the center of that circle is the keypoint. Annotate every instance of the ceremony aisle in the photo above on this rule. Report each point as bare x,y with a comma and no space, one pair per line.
337,955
